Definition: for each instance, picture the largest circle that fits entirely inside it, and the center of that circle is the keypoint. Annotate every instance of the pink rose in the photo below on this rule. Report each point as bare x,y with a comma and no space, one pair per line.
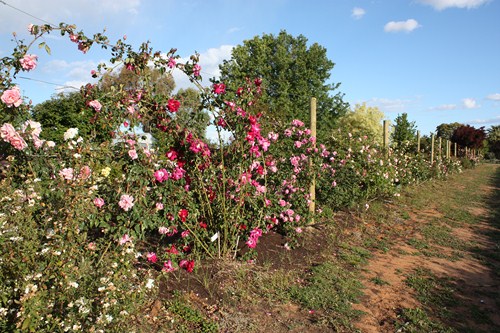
126,202
196,70
161,175
96,105
12,97
125,239
28,62
99,202
66,173
152,258
168,266
133,154
171,62
85,172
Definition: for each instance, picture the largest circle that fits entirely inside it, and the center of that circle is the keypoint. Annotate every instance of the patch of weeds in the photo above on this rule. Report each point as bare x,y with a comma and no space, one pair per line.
355,256
330,290
441,235
375,243
189,319
436,293
405,215
418,244
274,285
417,321
379,281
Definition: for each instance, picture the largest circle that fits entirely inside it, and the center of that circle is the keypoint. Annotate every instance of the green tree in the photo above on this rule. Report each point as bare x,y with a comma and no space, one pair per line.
404,131
63,111
494,140
363,120
445,131
190,113
292,72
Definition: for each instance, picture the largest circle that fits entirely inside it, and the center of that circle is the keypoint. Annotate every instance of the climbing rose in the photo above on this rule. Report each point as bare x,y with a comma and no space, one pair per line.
12,97
66,173
188,265
99,202
96,105
70,133
219,88
152,258
196,70
126,202
28,62
173,105
10,135
183,214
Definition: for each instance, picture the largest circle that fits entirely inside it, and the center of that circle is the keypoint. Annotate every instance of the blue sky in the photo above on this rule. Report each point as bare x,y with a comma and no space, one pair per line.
437,60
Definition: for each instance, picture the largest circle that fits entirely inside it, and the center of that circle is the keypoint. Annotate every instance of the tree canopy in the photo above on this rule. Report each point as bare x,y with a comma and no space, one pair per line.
469,136
291,72
363,120
445,131
404,130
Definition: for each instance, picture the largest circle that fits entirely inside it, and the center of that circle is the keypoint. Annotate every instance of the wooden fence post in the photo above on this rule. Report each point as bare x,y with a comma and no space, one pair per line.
447,149
386,134
312,189
440,146
433,139
455,153
418,142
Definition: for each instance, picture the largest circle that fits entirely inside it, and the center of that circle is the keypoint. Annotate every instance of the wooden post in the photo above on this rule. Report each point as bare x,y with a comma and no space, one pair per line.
418,142
447,149
466,152
312,189
386,134
455,152
433,139
440,146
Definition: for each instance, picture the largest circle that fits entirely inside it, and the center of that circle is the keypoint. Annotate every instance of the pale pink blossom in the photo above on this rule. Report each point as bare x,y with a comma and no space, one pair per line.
10,135
12,97
133,154
126,202
99,202
125,239
196,70
163,230
66,173
85,172
28,62
96,105
159,206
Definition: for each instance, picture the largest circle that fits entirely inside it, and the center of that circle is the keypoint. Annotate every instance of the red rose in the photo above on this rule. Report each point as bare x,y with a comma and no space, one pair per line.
183,214
173,105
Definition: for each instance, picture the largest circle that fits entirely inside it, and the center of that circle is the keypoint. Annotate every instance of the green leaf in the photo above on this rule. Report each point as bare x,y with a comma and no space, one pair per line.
47,49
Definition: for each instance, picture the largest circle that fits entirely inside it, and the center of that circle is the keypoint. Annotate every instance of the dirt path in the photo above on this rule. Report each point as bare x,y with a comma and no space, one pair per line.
464,261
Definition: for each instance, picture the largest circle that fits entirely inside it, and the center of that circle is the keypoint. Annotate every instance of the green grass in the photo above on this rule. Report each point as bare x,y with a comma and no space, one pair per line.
330,290
188,319
417,321
379,281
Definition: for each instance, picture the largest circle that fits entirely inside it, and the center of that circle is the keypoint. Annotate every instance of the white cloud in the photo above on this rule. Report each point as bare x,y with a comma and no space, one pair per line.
469,103
494,120
389,105
358,13
443,4
209,62
56,11
406,26
233,30
76,73
494,97
445,107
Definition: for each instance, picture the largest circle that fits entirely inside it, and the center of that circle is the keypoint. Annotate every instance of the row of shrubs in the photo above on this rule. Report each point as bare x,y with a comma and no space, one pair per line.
89,226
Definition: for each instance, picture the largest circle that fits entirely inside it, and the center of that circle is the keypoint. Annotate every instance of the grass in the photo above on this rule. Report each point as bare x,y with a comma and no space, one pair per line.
330,290
417,321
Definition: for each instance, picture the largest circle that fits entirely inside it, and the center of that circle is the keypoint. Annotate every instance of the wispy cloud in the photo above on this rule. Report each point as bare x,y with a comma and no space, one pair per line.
402,26
469,103
358,13
390,105
494,97
444,4
444,107
232,30
494,120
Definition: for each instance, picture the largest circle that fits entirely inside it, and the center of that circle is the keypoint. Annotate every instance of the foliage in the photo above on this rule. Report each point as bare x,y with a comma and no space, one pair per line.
494,141
404,130
445,131
363,120
468,136
291,72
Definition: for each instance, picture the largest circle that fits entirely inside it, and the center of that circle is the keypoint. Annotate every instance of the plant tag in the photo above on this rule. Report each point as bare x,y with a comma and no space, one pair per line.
214,237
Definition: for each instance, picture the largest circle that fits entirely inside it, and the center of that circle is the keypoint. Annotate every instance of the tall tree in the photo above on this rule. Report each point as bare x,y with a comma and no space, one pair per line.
292,72
494,140
469,136
445,131
404,131
363,120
